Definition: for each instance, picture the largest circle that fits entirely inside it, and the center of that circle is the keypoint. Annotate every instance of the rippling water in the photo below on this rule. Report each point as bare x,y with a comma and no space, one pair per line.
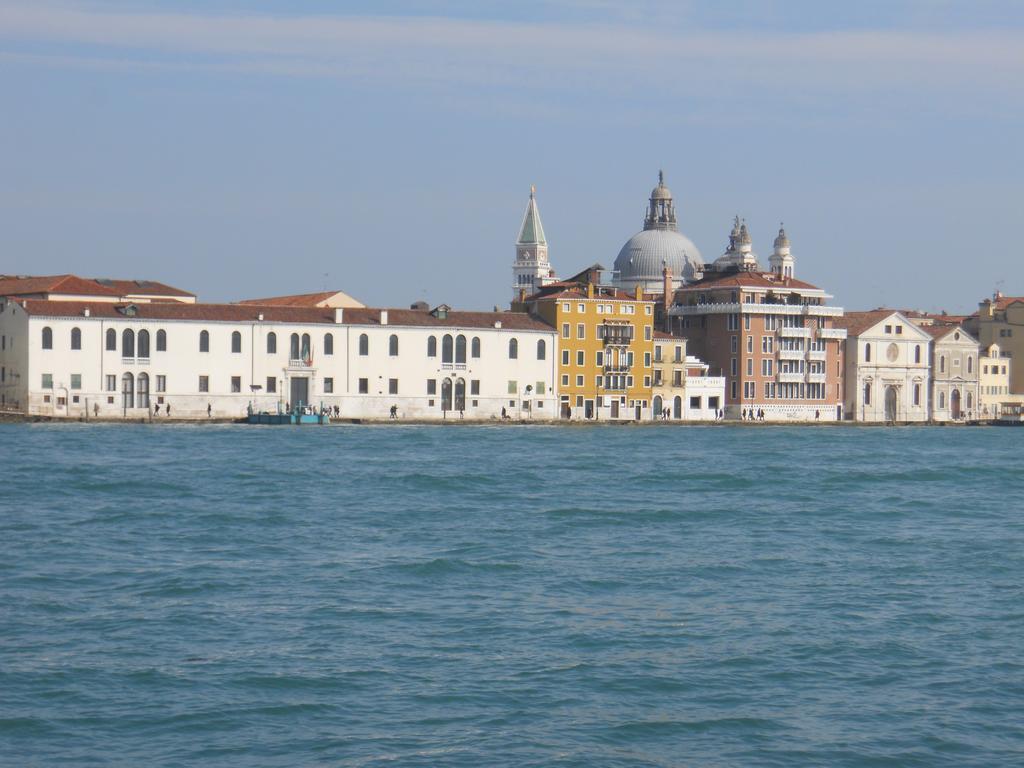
511,596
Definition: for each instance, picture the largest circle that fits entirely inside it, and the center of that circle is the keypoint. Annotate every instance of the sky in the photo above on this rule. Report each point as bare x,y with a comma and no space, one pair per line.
246,149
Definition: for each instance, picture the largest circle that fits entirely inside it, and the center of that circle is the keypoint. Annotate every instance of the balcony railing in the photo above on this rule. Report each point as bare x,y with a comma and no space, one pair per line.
795,333
816,378
791,354
300,363
832,333
815,354
617,368
790,378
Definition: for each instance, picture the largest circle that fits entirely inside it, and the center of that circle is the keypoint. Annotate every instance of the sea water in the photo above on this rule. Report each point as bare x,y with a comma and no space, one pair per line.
511,596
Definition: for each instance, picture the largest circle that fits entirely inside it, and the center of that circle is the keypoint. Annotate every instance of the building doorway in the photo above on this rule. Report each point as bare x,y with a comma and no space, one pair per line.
446,394
615,408
954,404
143,391
588,409
299,391
657,406
891,411
677,407
128,391
566,410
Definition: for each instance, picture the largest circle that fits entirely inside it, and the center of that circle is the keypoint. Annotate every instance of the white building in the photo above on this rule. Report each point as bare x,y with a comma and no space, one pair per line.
98,358
682,389
887,367
954,374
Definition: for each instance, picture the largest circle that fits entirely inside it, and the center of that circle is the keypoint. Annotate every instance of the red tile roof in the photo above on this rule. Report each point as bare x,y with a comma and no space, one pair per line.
748,280
856,323
516,321
298,300
1002,302
11,285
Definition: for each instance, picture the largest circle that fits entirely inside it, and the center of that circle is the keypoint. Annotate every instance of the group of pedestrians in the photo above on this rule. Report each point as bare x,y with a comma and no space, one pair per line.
749,414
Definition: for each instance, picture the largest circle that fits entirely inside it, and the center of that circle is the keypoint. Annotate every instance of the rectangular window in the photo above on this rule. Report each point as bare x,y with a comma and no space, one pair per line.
647,333
161,383
746,322
513,387
392,386
328,385
364,386
888,329
565,330
734,390
733,367
271,385
647,359
76,381
565,379
581,331
474,387
750,345
600,357
899,330
204,383
579,357
647,381
581,308
111,383
767,390
579,381
565,357
236,383
599,381
47,381
566,307
732,322
539,389
431,386
734,344
648,309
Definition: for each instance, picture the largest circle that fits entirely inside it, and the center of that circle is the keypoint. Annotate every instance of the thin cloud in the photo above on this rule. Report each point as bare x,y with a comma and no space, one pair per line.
498,53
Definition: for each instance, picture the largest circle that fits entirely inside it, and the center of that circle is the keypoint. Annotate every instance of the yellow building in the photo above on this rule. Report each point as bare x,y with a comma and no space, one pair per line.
994,372
605,346
681,387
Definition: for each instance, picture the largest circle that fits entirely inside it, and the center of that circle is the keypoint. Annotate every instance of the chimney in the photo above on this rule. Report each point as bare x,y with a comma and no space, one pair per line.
497,323
383,317
260,317
638,292
666,293
522,295
590,290
85,312
338,314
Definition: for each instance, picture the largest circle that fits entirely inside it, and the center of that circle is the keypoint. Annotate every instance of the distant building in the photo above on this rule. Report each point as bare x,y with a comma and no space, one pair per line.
1000,320
531,270
74,288
774,338
887,367
994,383
605,345
681,388
658,246
954,373
322,299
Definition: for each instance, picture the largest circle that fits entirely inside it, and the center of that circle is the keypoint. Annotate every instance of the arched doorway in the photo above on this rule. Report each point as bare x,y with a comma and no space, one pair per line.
954,404
446,394
677,407
891,410
460,387
128,391
657,406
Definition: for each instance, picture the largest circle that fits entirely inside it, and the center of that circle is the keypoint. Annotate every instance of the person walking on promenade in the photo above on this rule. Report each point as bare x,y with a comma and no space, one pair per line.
168,409
209,410
394,411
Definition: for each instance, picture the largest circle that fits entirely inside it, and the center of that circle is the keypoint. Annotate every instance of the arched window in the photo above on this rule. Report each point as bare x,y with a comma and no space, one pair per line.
542,350
942,364
867,353
143,348
236,343
474,347
970,399
446,394
364,344
111,340
917,353
867,394
942,399
204,341
513,349
460,350
460,395
76,338
293,352
142,401
328,343
128,391
307,350
432,346
271,343
447,346
161,341
393,345
47,338
970,369
128,343
917,394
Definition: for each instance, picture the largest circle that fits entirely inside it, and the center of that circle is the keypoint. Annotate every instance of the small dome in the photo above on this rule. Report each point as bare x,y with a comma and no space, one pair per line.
782,241
646,253
661,192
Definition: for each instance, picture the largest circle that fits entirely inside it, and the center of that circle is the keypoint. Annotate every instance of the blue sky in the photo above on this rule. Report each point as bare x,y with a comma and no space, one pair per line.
387,149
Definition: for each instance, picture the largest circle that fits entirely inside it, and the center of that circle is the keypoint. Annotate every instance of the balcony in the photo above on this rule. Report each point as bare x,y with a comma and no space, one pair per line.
832,333
795,333
822,311
816,378
617,368
127,361
816,355
791,354
300,363
791,378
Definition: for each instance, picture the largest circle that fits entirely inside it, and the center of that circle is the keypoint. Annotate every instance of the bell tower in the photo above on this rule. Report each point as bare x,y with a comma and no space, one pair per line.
781,261
531,268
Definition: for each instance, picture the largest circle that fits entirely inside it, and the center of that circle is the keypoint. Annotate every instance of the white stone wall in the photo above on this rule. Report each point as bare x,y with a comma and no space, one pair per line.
183,363
14,380
902,372
955,369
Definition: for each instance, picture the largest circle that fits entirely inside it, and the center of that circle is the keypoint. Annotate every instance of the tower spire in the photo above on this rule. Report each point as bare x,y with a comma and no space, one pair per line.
531,268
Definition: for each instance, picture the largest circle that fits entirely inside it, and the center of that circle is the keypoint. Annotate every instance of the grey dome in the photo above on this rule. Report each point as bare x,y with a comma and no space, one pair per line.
646,253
